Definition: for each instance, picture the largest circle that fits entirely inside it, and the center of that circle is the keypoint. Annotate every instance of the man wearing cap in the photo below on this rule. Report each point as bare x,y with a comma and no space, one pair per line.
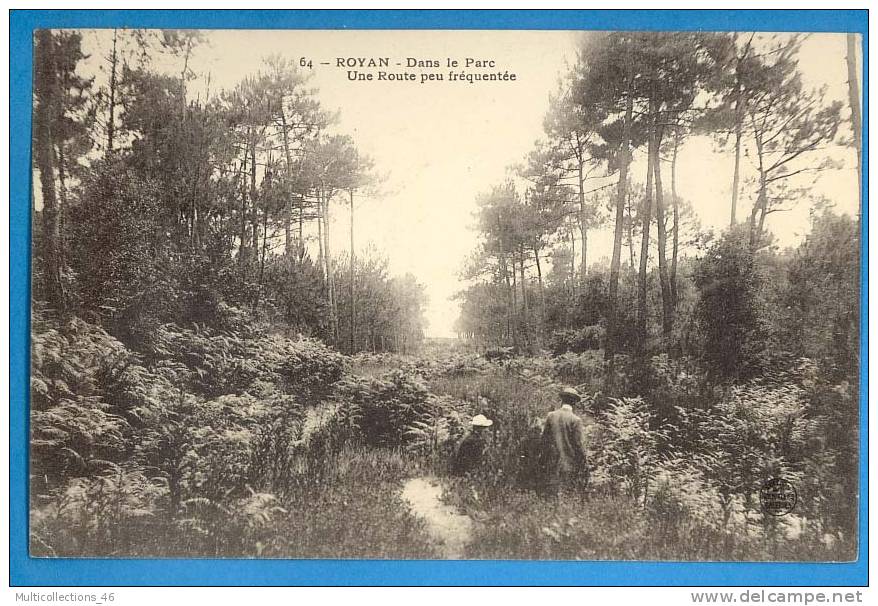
563,448
470,451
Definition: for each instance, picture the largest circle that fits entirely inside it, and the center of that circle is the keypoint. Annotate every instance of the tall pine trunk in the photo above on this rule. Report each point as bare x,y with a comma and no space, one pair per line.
353,316
540,278
62,204
630,231
45,89
542,292
301,227
288,210
675,246
736,177
525,305
584,256
760,207
254,216
572,262
854,100
740,113
583,227
321,253
621,195
266,185
242,235
645,221
333,309
664,280
511,303
516,324
111,118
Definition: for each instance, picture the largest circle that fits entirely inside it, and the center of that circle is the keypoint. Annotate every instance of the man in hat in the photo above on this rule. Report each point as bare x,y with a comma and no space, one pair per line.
470,451
563,448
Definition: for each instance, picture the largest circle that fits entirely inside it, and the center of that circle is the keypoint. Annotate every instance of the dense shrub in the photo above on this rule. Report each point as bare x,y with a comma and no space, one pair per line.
727,312
120,513
680,492
297,290
191,440
834,451
623,452
195,424
668,384
234,526
347,504
818,299
97,515
577,340
385,409
225,362
73,419
303,366
585,368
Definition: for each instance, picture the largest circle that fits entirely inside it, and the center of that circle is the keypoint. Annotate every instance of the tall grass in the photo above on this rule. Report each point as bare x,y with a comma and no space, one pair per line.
343,505
518,524
348,506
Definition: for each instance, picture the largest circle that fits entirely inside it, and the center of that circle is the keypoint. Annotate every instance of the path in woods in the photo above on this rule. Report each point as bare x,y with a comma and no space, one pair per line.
449,529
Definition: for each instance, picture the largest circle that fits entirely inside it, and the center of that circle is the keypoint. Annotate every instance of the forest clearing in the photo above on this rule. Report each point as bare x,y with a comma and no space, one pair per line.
215,372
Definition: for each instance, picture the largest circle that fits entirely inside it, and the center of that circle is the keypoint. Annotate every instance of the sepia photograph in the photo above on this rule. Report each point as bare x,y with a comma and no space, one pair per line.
445,294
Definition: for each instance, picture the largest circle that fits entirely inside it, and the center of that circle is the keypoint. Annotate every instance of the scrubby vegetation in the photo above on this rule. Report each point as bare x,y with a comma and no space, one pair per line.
303,457
209,444
209,379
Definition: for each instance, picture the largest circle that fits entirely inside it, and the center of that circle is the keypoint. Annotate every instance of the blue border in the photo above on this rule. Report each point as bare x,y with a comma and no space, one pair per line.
26,571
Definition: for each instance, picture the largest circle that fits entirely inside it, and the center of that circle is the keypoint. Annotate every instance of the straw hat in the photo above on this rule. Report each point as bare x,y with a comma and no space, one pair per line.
481,421
568,394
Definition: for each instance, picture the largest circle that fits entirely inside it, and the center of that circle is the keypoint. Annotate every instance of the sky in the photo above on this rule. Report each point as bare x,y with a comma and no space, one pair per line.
438,145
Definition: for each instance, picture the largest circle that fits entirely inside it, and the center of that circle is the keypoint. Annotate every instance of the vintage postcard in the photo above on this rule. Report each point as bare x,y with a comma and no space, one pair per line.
446,294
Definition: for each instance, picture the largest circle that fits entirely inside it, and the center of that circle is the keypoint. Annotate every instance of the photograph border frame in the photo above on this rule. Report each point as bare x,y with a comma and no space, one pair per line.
28,571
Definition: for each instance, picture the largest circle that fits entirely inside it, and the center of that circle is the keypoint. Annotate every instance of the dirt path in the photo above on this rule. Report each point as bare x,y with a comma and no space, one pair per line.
449,529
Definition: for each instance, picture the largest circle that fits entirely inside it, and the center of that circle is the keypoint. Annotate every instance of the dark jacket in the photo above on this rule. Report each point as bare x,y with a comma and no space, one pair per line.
470,452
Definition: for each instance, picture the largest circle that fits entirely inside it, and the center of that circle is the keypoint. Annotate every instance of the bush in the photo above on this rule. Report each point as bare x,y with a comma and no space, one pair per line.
667,383
818,297
296,289
623,452
73,420
120,513
587,368
305,366
347,504
220,447
577,340
227,363
240,526
727,313
681,493
385,410
123,275
98,515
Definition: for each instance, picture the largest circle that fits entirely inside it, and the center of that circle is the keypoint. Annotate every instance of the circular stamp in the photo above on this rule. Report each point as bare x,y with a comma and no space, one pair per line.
778,497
